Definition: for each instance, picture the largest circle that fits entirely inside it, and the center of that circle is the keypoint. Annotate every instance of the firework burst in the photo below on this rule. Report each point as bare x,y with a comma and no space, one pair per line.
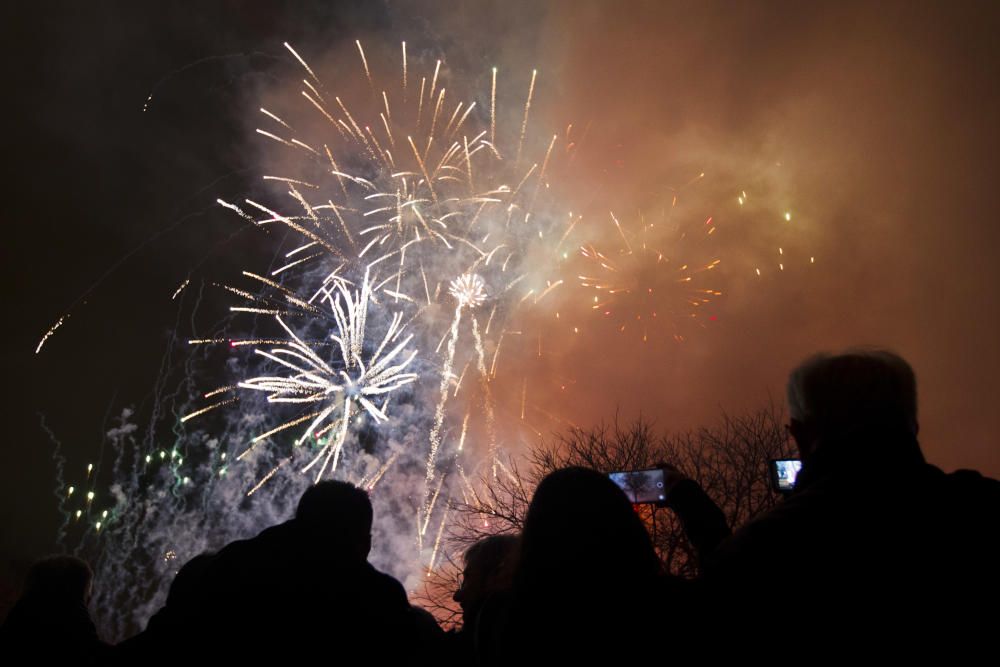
410,186
469,290
360,377
657,279
408,183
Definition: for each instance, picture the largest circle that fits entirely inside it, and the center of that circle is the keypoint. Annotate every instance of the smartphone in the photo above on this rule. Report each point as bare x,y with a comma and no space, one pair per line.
783,474
642,486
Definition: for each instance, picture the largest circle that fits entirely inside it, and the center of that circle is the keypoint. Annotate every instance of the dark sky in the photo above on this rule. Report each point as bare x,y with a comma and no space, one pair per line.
883,118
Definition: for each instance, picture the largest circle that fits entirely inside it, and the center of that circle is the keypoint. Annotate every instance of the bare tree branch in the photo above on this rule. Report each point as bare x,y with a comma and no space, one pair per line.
728,459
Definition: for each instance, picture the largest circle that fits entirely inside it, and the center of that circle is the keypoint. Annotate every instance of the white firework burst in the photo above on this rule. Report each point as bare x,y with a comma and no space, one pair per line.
469,289
355,381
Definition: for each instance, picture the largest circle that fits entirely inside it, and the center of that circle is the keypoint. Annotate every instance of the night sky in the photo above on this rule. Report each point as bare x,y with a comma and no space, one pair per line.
883,120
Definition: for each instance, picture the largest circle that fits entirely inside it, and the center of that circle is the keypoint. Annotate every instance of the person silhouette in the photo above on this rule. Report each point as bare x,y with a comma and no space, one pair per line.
587,585
298,589
50,623
887,553
487,572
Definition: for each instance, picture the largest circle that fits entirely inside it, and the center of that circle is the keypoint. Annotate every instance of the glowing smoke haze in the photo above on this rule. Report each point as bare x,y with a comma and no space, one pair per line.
663,96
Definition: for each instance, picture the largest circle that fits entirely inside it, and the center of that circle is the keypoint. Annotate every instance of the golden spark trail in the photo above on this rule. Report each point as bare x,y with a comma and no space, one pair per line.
461,377
508,471
273,117
314,91
181,288
370,485
437,540
267,477
489,320
289,295
493,109
446,374
548,289
461,120
496,353
541,176
620,231
209,408
404,72
527,109
282,427
52,330
465,428
434,118
303,62
423,168
364,61
388,113
437,69
487,394
420,104
430,508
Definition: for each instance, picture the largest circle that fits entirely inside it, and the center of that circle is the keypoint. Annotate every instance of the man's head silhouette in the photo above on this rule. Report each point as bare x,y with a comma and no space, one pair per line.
64,578
338,512
865,396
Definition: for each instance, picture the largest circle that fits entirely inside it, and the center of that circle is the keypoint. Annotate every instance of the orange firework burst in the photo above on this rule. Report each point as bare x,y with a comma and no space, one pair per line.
658,279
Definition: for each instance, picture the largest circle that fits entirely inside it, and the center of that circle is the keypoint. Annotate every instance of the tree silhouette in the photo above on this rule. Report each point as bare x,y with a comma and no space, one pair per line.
729,459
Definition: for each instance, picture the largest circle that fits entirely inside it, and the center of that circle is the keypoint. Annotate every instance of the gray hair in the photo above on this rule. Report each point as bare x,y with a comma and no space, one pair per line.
857,388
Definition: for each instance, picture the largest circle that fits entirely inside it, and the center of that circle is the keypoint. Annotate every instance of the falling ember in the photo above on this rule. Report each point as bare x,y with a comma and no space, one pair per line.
527,109
208,409
404,71
52,330
301,61
493,109
370,485
267,477
364,62
180,289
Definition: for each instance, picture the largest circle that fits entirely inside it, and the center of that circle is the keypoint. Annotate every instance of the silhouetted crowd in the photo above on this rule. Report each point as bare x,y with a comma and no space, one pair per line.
875,555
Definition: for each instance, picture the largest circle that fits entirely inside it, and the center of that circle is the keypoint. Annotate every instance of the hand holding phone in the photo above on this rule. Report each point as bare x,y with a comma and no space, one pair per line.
784,473
643,486
671,475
